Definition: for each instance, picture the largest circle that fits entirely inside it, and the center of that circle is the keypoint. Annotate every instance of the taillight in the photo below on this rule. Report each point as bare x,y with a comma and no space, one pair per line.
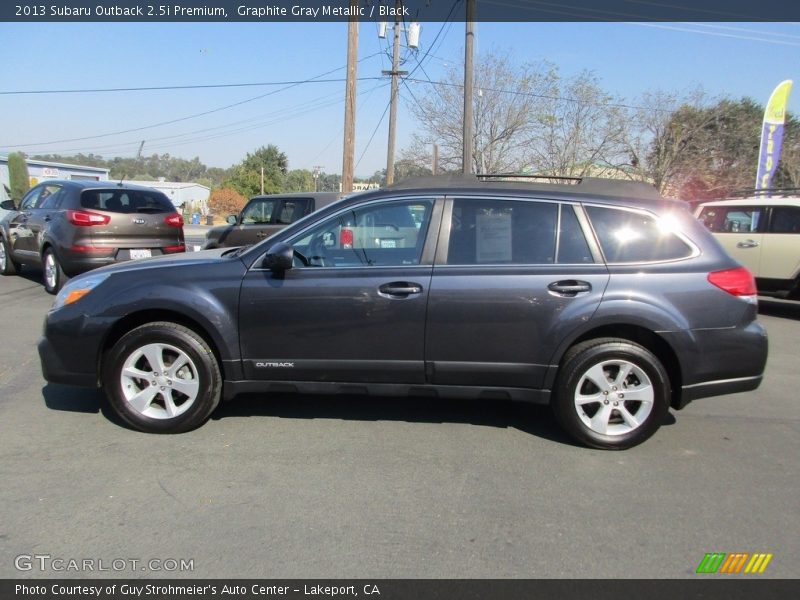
737,282
347,238
84,218
173,249
174,220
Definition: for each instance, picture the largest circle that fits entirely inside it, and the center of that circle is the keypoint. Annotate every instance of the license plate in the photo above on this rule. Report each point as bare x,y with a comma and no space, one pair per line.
141,254
388,243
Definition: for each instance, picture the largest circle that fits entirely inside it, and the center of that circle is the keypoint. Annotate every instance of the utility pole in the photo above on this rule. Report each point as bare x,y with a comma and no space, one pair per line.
393,100
262,180
317,170
435,162
466,160
350,100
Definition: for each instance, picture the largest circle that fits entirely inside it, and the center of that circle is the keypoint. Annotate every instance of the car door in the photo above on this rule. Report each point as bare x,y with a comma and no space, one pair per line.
352,308
24,244
780,249
512,279
740,231
43,212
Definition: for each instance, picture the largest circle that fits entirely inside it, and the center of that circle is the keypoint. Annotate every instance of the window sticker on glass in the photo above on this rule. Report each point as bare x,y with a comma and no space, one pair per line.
493,237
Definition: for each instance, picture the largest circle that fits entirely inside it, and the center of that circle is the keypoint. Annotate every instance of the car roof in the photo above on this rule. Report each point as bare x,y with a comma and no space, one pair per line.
754,201
93,184
319,195
583,189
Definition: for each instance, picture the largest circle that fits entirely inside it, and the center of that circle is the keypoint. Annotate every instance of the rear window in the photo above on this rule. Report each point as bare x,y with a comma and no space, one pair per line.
126,201
629,237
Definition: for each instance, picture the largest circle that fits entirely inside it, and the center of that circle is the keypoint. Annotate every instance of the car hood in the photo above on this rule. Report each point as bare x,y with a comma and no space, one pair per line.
170,260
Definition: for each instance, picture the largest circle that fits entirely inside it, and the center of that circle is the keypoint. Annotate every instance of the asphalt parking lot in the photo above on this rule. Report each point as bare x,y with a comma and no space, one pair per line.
344,487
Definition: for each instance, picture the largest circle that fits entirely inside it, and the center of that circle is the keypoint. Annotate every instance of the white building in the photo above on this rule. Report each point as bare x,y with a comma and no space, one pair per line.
40,170
190,196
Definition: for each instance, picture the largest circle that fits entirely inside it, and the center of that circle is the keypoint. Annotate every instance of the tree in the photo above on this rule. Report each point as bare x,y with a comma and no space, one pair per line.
299,180
19,179
505,105
576,131
246,176
225,201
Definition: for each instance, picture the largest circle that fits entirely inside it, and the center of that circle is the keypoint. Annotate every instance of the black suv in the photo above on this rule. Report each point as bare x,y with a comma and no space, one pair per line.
264,216
68,227
600,298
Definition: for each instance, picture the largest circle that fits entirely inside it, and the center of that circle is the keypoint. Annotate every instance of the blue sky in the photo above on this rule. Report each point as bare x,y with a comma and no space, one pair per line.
306,121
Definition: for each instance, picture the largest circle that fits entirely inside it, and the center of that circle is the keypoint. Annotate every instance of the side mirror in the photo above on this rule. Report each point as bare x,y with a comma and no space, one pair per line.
8,205
279,258
232,219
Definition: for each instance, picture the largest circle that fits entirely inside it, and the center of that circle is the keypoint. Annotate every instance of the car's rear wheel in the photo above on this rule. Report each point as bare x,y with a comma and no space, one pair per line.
162,378
53,274
7,264
611,394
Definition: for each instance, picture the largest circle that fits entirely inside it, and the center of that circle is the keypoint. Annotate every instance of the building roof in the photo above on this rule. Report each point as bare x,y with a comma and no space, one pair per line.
45,163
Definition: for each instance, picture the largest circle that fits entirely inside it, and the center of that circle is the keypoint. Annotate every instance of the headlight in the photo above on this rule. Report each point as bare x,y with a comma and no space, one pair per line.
77,288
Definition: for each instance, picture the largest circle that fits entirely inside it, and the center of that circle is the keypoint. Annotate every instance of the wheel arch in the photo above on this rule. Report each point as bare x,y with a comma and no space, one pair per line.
642,336
142,317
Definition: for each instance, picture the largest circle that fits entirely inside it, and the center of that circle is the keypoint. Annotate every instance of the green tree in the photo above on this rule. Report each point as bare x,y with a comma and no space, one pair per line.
246,176
299,180
18,176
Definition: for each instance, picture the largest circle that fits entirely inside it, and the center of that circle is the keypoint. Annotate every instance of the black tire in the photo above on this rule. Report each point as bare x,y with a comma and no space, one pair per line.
618,419
7,264
169,409
52,274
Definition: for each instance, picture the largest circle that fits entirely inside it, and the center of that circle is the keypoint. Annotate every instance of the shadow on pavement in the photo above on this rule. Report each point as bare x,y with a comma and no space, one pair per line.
529,418
787,309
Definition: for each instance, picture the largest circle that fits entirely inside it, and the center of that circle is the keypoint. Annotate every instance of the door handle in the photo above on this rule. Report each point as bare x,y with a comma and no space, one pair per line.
570,287
262,234
47,219
399,289
747,244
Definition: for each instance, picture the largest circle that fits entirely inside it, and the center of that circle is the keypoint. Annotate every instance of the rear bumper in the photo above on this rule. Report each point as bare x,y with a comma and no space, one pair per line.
720,361
75,263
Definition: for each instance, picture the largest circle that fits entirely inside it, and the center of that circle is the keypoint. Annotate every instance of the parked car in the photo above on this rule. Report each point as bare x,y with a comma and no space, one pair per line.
763,234
264,215
69,227
601,299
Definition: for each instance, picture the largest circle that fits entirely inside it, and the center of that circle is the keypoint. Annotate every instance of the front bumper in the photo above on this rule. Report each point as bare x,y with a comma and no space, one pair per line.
55,371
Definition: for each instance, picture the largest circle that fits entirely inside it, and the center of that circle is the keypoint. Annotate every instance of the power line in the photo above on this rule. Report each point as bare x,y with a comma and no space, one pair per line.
542,96
193,116
383,116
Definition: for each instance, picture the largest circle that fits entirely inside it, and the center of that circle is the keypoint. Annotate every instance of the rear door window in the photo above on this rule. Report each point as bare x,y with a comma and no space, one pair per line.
502,232
734,219
126,201
628,236
292,209
259,212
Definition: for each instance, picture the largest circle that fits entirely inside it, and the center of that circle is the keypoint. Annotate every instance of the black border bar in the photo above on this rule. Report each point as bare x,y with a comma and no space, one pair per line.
254,11
701,587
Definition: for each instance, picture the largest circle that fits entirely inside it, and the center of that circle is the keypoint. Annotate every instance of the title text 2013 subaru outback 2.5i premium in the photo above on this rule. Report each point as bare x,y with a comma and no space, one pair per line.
600,298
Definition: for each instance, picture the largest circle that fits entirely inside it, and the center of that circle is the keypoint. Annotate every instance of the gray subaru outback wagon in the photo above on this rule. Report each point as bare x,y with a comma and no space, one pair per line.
598,297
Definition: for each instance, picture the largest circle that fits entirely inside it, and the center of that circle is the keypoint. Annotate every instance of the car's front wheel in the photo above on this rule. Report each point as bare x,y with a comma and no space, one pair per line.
162,378
611,394
54,277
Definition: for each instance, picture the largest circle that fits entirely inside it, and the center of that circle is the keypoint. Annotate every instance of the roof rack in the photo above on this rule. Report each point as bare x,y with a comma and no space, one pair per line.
512,176
792,191
587,186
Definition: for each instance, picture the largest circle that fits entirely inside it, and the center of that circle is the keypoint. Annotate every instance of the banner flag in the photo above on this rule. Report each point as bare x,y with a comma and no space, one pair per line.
772,135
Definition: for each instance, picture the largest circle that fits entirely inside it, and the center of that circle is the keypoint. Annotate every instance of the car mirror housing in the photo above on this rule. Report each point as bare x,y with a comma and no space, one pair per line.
231,219
279,258
8,205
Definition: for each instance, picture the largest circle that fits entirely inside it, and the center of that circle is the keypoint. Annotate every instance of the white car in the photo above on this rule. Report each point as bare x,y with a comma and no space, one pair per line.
763,234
